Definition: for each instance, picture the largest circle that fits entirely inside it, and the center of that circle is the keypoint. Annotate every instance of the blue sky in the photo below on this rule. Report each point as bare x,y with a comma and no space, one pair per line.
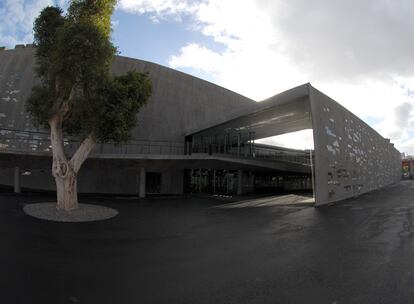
357,52
138,37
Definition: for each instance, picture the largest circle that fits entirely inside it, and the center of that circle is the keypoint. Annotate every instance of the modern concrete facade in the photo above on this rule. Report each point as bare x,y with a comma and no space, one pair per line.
351,158
194,130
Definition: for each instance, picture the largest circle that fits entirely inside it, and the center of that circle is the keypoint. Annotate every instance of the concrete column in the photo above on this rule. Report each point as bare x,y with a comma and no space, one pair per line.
200,180
312,174
253,146
250,144
142,182
17,180
188,147
251,182
238,144
214,181
239,182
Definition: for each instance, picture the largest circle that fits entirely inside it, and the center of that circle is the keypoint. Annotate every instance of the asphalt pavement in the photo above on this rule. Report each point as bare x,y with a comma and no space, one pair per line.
186,250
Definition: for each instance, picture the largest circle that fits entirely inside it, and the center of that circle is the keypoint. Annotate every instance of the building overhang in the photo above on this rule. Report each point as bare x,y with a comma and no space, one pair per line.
43,160
283,113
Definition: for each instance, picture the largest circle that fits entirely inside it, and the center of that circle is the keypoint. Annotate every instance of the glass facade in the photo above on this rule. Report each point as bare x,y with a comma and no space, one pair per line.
226,182
230,142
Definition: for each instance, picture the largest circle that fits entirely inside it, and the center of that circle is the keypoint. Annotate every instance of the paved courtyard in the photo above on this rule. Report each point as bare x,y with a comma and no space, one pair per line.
196,251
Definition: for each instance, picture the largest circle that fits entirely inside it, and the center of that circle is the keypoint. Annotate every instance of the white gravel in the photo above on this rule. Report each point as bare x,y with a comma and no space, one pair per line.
85,212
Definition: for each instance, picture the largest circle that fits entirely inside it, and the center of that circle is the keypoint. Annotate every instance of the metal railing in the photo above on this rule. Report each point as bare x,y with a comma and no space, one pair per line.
39,141
257,152
267,154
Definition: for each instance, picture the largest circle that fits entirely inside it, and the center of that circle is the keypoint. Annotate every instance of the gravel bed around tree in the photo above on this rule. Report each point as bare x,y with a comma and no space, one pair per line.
85,212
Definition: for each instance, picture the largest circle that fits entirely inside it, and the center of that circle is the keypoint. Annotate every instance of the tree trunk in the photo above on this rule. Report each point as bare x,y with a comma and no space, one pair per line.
64,175
67,195
63,170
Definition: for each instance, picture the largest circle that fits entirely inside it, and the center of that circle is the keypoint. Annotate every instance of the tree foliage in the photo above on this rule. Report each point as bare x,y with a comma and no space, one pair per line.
112,111
74,55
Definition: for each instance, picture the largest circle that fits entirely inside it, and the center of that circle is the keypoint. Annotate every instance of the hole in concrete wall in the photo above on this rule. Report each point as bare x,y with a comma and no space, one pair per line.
329,131
331,149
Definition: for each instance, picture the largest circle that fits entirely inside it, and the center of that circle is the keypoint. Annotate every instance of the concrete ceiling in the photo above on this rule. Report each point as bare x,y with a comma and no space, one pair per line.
283,113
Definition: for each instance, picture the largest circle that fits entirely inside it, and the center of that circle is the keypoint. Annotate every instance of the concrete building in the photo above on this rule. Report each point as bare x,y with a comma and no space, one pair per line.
407,167
196,136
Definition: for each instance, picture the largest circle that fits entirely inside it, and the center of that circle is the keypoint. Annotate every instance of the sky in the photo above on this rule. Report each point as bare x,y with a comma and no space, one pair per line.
360,53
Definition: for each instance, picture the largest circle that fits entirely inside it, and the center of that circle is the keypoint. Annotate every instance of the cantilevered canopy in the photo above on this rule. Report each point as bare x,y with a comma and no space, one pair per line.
283,113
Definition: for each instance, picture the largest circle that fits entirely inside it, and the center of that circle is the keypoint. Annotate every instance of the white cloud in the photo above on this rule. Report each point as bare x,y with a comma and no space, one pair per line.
159,9
357,52
211,60
348,39
408,146
17,17
295,140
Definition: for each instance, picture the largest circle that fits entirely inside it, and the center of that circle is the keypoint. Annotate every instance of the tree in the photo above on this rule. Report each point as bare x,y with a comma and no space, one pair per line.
77,94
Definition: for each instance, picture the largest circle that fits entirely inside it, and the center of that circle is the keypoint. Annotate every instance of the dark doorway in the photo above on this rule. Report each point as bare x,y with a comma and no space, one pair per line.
153,182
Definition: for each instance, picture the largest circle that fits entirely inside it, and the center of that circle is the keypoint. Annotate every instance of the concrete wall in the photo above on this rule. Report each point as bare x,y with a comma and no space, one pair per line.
179,101
105,181
350,157
16,81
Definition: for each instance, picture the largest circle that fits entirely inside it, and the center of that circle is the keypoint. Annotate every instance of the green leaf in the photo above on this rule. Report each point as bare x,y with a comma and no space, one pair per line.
75,51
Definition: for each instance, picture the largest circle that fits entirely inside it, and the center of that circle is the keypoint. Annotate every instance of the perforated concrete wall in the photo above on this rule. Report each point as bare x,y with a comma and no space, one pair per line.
350,157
